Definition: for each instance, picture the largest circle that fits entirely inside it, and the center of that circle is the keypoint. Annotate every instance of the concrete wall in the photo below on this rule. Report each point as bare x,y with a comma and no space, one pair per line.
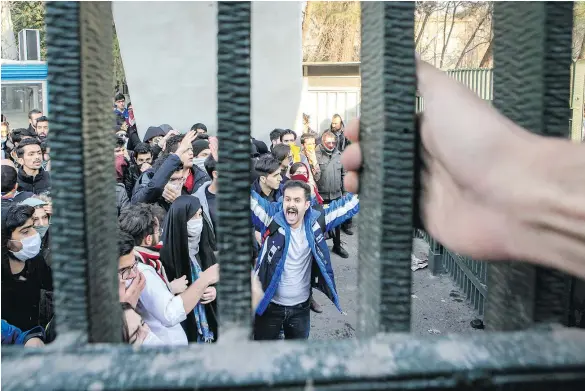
169,53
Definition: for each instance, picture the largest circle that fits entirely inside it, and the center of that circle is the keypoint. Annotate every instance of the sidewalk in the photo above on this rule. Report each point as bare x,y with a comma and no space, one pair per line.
439,307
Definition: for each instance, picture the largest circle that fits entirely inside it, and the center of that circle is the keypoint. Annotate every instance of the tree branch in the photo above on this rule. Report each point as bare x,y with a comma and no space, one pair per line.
472,37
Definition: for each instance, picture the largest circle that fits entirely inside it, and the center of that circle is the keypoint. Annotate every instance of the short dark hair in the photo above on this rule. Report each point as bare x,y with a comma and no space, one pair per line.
275,134
24,143
160,160
119,141
199,125
266,165
43,119
173,143
291,184
287,131
125,243
201,136
16,216
295,167
138,221
34,111
210,165
159,212
142,148
280,152
307,136
119,96
9,178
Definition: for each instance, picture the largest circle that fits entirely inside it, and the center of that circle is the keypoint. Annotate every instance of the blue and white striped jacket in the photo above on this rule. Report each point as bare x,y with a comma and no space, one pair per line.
272,255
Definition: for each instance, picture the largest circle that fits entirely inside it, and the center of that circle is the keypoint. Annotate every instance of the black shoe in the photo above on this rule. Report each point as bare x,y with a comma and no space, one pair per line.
341,252
347,231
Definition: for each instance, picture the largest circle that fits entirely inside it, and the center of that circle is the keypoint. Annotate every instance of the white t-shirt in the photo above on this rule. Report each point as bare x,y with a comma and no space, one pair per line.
295,284
162,311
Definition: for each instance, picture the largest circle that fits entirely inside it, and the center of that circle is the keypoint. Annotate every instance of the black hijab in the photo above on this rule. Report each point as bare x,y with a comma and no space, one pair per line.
174,253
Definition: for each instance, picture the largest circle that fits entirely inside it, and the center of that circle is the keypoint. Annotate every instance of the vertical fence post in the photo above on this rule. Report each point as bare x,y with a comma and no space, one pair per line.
577,101
84,240
532,49
388,143
233,121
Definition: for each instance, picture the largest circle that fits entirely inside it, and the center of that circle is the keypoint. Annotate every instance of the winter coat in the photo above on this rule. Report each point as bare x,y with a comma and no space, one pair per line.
40,183
272,255
329,179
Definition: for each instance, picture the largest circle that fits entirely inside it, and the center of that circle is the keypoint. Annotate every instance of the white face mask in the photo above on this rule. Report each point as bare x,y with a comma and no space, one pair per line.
30,248
194,229
199,162
152,339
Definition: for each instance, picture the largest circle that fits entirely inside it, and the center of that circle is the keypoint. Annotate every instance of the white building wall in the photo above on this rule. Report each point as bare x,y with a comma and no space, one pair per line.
169,51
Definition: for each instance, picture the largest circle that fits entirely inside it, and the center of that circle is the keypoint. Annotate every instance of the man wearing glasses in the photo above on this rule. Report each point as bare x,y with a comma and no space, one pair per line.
130,281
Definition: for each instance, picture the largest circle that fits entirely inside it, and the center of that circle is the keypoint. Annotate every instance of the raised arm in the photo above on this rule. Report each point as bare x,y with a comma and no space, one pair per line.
341,210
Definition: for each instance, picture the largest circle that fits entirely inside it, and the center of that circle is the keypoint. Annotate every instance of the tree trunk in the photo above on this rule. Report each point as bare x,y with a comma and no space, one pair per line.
470,40
582,50
306,21
446,41
485,60
422,29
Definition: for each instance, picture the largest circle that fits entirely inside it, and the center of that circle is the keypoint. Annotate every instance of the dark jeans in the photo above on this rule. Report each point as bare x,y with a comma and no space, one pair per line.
335,233
294,320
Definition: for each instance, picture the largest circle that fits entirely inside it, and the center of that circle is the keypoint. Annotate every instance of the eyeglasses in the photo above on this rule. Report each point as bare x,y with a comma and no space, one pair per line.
125,271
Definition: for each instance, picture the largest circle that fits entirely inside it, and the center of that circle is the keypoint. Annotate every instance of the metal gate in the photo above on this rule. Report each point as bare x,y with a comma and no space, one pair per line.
86,354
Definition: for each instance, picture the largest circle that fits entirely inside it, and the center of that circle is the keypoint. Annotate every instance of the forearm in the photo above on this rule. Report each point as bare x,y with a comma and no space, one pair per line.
193,294
551,214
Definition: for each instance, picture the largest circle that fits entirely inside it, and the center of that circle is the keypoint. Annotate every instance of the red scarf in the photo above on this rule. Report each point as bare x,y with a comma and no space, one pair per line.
190,182
151,257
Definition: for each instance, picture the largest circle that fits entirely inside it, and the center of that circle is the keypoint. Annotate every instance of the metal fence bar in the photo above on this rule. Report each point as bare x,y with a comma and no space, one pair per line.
84,241
540,360
519,86
233,121
552,286
388,102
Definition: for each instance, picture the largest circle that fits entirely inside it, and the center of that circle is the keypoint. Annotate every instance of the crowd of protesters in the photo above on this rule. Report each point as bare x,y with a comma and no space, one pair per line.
166,187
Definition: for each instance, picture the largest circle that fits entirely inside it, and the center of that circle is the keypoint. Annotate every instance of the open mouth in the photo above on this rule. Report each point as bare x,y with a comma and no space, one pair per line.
37,162
292,213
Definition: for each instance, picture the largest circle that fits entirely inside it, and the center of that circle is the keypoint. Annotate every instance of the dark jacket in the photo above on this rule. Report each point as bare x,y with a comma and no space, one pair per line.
330,178
40,183
122,200
150,186
133,138
272,256
22,300
131,175
18,197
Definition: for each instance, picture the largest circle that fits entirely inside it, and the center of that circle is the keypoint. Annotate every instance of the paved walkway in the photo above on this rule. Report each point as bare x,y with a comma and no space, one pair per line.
439,307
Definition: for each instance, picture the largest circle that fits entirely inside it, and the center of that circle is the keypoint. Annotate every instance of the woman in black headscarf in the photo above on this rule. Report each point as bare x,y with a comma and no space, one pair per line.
179,254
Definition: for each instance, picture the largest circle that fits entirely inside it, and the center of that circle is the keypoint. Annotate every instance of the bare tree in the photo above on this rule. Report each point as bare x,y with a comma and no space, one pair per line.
455,5
486,18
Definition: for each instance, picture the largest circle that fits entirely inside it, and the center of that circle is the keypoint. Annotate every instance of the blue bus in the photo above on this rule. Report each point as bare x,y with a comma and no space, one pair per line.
24,87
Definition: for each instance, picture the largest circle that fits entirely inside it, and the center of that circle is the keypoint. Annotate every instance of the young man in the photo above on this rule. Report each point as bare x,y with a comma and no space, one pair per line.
120,109
31,175
140,162
281,153
162,304
288,137
42,127
200,152
25,274
175,174
268,172
294,258
33,115
308,143
275,138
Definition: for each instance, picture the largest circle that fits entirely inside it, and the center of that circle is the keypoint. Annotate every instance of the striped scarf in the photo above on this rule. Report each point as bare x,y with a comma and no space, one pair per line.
204,334
151,257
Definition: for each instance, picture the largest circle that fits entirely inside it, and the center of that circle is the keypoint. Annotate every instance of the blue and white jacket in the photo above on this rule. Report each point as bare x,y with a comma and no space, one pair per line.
272,255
